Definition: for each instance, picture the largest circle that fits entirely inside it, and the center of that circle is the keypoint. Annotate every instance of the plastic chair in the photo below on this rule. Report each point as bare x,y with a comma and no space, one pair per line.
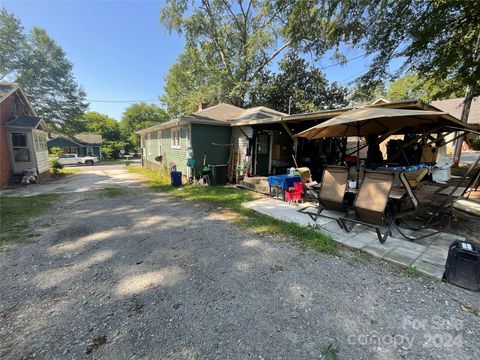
295,195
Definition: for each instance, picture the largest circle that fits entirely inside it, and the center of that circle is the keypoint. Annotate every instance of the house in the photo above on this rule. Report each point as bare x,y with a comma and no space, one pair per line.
208,132
23,136
80,144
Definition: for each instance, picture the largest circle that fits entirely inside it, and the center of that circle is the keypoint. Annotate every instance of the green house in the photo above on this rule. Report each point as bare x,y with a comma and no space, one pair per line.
80,144
211,134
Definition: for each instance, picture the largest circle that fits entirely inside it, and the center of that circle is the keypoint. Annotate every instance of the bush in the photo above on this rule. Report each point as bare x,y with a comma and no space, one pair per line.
55,152
476,144
55,166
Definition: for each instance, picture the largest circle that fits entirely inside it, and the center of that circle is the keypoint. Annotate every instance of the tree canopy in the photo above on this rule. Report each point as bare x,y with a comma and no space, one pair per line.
410,86
140,116
41,67
300,86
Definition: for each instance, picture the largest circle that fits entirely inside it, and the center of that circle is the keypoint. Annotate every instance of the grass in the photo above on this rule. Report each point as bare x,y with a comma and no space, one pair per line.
412,271
461,170
232,198
68,171
330,352
14,215
113,192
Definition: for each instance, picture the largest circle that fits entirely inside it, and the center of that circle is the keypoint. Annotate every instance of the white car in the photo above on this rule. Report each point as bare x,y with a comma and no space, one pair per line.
74,159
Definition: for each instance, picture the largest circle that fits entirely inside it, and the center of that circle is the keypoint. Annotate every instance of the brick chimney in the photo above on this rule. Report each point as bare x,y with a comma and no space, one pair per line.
202,106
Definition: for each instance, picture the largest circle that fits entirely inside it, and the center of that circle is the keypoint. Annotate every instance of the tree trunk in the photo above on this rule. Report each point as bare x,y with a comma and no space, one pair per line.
467,103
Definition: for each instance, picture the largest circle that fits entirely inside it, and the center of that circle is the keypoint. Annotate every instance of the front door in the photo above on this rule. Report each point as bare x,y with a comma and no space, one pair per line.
263,154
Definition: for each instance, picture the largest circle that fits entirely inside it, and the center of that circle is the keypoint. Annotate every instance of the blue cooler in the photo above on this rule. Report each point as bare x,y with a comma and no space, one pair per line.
176,178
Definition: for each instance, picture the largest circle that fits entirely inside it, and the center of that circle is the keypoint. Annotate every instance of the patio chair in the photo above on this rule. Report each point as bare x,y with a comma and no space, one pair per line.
331,195
371,204
294,195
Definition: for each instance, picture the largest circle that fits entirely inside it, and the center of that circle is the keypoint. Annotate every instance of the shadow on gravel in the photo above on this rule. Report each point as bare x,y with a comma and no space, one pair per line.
152,276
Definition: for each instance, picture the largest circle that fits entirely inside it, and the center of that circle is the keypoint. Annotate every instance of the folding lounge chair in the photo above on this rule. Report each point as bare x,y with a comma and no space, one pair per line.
331,194
371,202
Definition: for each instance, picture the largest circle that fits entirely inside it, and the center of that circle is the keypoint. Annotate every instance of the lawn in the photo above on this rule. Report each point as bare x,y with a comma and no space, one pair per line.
14,215
232,198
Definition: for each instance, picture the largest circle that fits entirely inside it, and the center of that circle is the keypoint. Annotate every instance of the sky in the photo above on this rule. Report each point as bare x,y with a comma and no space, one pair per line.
119,49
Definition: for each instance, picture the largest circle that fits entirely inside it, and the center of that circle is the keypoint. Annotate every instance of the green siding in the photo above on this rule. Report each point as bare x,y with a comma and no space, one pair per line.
202,138
177,156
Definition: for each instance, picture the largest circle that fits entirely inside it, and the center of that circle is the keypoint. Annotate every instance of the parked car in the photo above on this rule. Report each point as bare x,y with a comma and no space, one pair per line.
74,159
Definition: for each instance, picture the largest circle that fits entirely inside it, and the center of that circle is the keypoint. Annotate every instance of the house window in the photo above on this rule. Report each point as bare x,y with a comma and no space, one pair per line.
159,136
21,153
149,144
176,138
89,151
40,141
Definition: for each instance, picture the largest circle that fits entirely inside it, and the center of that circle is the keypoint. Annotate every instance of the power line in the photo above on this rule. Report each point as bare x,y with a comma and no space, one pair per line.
343,63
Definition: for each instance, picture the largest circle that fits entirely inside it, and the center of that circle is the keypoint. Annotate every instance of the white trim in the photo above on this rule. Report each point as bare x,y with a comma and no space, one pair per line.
149,144
174,138
160,143
270,138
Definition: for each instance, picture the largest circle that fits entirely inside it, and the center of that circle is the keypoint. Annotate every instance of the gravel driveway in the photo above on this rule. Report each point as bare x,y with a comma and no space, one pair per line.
149,276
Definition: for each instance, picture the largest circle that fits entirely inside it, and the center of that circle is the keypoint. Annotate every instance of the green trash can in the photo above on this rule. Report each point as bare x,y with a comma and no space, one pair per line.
219,174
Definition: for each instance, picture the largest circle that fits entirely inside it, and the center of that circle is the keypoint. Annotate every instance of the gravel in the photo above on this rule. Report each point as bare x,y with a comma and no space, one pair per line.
150,276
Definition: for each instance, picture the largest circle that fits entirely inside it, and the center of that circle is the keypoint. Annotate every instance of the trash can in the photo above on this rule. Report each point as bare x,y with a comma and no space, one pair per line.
463,265
176,178
219,174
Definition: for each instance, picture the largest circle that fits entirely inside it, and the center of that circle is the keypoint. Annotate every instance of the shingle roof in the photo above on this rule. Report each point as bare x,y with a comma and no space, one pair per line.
24,121
89,138
454,107
220,112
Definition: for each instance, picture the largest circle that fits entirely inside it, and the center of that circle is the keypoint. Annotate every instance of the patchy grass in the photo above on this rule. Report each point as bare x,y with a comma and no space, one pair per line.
330,352
232,198
361,257
68,171
113,192
412,271
14,215
461,170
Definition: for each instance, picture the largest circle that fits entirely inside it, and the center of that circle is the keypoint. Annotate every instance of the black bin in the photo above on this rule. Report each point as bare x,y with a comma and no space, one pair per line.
219,174
463,265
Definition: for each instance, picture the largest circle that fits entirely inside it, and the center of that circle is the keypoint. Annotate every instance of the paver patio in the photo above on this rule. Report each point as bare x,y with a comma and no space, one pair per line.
427,255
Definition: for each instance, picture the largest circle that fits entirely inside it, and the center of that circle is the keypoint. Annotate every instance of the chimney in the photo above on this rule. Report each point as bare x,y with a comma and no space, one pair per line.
202,106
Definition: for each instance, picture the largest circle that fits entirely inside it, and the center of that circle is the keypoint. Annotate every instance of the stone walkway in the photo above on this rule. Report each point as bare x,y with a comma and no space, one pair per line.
427,255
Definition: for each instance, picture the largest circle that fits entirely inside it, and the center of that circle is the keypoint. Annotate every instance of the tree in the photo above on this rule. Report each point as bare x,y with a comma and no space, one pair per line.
298,87
410,86
236,41
41,67
437,39
137,117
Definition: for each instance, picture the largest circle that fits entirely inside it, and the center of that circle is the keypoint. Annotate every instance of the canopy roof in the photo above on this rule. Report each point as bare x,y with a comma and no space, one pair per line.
368,120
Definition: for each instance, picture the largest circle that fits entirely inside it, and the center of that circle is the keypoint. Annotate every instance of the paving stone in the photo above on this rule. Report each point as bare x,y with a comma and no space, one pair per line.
333,226
425,241
411,245
399,258
358,241
429,269
436,252
376,249
433,259
342,239
413,253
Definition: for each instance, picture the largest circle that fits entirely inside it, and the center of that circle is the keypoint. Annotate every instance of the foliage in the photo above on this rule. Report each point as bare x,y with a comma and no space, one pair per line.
434,38
41,67
410,86
231,43
15,212
55,152
363,94
476,144
330,352
113,192
55,166
137,117
232,199
305,85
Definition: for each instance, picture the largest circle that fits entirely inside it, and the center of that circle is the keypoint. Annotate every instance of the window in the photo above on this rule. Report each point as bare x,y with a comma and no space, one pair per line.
40,141
176,138
159,135
21,153
149,144
89,151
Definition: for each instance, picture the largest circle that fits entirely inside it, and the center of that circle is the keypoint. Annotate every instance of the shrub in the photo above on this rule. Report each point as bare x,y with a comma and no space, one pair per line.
476,144
55,166
55,152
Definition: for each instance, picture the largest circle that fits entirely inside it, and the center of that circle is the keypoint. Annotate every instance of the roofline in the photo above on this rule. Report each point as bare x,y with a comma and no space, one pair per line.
67,138
16,87
184,121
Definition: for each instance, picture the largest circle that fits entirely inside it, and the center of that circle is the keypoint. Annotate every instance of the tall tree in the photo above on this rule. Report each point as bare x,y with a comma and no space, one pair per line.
298,87
410,86
437,39
240,39
140,116
41,67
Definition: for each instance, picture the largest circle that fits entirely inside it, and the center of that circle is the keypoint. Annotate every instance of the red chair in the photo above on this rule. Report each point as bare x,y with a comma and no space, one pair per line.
295,195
